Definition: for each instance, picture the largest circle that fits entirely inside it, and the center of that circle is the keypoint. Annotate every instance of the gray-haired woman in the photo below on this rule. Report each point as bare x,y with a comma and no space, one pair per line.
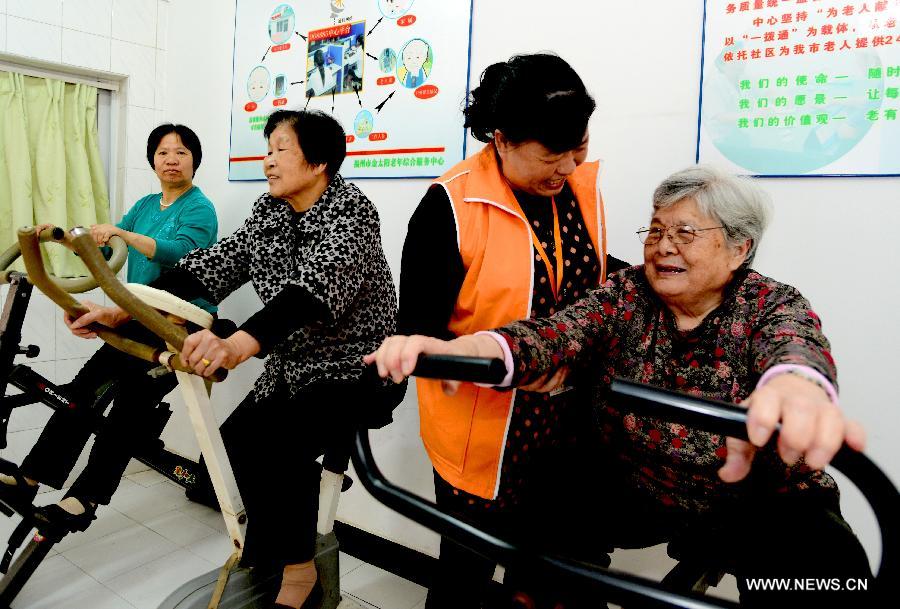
695,318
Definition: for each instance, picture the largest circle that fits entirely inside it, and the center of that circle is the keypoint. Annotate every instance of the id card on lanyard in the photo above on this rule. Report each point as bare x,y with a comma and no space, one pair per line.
556,276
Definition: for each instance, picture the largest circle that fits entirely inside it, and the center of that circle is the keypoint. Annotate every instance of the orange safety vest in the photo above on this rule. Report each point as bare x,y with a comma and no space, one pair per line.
465,435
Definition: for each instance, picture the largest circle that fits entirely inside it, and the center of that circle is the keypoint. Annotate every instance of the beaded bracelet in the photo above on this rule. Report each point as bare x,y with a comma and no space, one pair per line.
807,377
810,374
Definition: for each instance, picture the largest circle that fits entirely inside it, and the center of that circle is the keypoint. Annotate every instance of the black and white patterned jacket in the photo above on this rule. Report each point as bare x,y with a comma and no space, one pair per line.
332,251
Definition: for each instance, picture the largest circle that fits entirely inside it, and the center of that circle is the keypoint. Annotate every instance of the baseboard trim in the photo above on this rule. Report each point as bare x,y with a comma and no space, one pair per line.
386,554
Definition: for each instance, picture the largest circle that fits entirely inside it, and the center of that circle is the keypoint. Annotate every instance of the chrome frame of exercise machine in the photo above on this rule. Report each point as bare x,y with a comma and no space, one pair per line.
171,329
35,388
38,389
144,304
607,584
193,387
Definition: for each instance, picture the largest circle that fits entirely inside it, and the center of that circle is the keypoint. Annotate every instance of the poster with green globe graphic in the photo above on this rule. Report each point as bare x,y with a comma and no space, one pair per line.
801,87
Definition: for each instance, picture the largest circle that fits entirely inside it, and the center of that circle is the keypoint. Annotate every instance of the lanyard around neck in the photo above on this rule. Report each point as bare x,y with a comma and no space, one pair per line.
555,277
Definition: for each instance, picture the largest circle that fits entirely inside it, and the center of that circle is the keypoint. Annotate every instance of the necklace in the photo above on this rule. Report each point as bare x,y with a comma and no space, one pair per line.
163,205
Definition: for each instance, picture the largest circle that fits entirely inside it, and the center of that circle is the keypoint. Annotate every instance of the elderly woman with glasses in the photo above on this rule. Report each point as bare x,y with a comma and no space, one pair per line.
694,318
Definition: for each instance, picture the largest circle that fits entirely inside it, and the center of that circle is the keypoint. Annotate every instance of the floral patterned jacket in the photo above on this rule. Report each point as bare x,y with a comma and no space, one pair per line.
623,329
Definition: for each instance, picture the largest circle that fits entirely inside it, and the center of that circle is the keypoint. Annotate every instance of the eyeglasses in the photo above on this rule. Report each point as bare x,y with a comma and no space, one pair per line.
680,234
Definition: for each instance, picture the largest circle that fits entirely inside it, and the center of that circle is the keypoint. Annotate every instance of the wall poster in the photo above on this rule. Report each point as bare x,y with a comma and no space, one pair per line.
394,73
801,87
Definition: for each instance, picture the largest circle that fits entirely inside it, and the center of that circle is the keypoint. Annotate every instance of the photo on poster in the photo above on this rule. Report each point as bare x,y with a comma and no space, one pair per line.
335,60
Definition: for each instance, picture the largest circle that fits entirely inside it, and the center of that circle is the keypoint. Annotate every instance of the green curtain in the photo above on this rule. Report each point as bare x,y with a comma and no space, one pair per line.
50,167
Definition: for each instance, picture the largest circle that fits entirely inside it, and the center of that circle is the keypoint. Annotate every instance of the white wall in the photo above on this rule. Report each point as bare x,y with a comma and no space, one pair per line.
122,37
832,238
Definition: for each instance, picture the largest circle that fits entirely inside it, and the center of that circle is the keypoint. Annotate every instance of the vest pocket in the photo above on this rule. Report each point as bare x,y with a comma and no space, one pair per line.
447,423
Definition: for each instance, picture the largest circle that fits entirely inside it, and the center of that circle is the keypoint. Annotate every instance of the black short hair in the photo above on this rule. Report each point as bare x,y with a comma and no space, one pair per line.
188,138
321,136
531,97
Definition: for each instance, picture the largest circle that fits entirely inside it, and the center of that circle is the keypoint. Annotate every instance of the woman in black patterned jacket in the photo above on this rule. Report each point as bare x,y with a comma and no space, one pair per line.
312,250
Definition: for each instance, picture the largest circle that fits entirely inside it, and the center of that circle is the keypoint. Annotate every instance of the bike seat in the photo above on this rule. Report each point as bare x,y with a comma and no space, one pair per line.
166,302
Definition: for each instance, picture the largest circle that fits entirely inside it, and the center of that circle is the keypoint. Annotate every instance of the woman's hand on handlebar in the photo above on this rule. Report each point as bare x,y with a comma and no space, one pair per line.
39,228
205,352
110,317
397,356
101,233
812,426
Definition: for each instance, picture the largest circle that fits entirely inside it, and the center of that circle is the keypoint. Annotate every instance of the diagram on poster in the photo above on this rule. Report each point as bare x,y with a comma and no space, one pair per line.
801,87
393,72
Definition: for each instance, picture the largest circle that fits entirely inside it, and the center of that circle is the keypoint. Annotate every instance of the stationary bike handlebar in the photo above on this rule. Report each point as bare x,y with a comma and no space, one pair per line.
730,420
620,588
73,285
84,245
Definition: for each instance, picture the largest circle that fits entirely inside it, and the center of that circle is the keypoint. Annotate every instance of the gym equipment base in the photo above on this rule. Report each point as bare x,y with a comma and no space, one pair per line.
255,589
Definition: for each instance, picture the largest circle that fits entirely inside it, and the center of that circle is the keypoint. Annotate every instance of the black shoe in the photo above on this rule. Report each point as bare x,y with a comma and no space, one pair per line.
55,518
19,496
203,497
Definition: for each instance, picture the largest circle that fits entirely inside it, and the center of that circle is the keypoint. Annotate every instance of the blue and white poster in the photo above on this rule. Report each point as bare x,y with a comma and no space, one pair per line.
801,87
394,73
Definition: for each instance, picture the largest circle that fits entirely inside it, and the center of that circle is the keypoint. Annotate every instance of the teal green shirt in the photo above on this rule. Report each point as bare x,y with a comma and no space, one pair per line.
189,223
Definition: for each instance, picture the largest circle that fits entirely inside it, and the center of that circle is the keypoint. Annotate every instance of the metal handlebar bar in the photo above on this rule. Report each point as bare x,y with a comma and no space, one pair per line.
148,316
730,420
620,588
86,248
73,285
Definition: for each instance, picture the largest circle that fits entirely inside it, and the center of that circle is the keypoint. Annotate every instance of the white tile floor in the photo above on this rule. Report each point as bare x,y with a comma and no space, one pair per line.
149,541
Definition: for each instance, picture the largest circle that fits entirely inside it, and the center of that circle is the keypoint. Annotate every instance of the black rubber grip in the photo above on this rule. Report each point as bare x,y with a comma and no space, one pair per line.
710,415
460,368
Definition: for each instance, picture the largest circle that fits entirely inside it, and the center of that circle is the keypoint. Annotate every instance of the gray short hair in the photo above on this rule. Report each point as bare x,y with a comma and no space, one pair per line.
737,203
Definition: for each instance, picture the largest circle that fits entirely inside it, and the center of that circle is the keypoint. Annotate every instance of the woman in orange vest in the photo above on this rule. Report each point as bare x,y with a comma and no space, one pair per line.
515,231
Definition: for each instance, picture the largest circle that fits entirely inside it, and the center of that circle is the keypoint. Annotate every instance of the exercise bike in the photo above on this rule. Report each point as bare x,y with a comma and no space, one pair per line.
37,389
230,587
680,589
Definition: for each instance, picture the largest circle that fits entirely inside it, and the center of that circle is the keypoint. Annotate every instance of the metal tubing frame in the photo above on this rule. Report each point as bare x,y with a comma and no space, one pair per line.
192,386
621,588
73,285
31,254
22,568
148,316
30,251
193,389
206,430
730,420
614,586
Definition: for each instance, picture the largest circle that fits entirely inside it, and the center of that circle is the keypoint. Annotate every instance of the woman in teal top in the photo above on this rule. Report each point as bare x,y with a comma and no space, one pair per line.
159,229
